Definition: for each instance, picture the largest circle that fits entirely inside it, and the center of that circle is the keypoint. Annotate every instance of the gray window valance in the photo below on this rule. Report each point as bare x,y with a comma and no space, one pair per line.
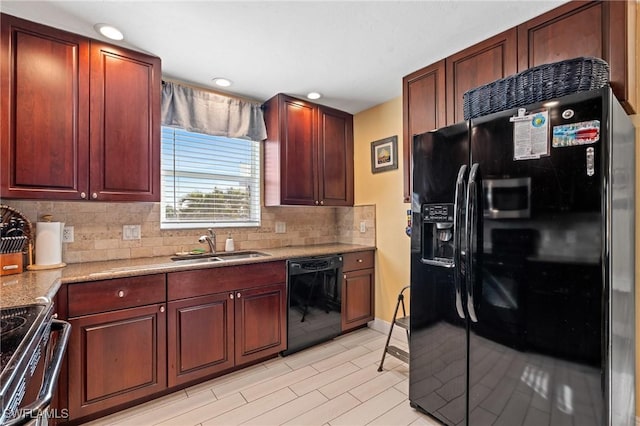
210,113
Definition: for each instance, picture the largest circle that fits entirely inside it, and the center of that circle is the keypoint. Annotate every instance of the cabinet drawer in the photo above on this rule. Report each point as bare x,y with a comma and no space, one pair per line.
120,293
357,260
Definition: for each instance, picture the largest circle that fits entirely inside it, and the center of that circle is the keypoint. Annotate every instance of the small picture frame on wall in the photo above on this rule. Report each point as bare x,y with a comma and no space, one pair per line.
384,154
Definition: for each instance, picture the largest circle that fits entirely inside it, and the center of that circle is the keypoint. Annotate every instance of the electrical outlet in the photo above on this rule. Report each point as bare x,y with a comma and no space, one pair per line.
67,234
131,232
363,227
281,227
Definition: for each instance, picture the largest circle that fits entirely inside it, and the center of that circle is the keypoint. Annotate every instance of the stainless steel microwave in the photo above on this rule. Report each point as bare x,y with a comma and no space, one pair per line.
507,198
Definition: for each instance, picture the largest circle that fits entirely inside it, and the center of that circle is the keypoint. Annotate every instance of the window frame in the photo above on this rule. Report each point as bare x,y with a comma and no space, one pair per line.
255,197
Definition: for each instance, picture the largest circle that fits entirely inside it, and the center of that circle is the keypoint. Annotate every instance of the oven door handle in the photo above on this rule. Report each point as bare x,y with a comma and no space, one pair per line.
35,409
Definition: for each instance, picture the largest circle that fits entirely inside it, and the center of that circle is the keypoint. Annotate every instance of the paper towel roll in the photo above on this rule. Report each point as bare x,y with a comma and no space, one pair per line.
49,243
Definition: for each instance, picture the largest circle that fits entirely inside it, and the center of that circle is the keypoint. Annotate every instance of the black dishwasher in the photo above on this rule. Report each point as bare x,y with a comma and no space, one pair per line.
314,294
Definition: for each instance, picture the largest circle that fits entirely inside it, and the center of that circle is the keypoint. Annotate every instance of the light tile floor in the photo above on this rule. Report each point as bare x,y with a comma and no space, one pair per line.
336,383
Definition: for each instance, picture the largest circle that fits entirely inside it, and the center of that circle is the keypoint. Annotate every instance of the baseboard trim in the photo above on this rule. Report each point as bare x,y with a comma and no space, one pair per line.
384,326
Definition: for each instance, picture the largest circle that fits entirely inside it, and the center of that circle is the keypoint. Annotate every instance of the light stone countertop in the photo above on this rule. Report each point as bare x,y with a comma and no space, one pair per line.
33,286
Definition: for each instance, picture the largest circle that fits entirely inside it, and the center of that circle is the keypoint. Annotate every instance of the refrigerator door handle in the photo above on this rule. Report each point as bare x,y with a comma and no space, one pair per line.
458,232
471,231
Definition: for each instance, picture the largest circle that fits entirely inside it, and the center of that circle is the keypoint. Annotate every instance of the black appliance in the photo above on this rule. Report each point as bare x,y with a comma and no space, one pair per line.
314,293
30,362
522,267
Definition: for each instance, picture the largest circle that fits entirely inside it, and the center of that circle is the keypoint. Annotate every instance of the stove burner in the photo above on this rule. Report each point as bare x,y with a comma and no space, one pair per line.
14,326
10,324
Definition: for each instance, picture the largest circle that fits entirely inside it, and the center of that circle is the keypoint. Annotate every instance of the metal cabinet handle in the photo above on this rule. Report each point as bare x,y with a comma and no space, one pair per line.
161,308
360,260
121,293
238,295
83,195
322,203
94,195
230,295
317,202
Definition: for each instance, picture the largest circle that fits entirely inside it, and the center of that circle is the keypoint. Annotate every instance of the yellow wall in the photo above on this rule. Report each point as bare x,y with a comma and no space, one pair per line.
384,190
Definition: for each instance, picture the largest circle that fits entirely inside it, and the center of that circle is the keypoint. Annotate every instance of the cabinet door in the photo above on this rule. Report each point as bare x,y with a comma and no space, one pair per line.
125,125
579,28
335,157
357,298
299,172
260,317
116,357
423,109
200,337
490,60
44,113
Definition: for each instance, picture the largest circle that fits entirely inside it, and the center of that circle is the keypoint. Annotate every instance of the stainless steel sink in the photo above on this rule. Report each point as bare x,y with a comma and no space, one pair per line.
217,257
241,255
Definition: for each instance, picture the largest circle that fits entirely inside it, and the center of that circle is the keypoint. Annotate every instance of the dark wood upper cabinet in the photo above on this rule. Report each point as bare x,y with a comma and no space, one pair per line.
308,154
125,124
604,29
423,109
584,28
477,65
335,157
80,118
44,80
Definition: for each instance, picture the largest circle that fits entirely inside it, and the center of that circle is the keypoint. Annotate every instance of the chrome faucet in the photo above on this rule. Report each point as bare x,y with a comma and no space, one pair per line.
210,239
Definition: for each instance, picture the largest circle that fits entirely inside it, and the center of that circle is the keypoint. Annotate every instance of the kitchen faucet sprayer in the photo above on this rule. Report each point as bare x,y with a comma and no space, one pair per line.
210,239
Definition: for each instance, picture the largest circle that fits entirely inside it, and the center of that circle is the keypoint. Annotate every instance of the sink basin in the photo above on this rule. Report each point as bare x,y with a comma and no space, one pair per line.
241,255
197,260
216,257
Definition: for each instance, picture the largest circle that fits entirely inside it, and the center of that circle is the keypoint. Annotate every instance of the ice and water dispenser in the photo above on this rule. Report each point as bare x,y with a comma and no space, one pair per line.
437,234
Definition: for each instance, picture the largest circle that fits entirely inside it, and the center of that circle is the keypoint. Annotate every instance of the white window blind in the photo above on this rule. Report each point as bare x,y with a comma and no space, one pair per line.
209,180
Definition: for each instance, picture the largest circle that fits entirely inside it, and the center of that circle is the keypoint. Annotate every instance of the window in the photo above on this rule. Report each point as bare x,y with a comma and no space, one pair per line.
209,181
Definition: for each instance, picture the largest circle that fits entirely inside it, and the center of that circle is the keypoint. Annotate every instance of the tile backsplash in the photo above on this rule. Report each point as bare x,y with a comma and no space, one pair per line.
98,228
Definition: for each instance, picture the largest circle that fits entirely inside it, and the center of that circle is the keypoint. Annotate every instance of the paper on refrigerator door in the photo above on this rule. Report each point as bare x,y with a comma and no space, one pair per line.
530,135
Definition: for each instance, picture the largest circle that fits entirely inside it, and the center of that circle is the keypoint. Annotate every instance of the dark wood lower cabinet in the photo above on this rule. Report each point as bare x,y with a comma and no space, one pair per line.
358,289
201,337
261,328
357,294
116,357
213,333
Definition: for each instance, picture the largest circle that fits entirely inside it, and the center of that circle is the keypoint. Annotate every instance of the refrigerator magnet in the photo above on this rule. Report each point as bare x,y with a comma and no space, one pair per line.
583,133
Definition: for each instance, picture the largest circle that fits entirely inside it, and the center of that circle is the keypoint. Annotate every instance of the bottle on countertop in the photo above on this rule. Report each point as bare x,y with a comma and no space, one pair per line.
229,246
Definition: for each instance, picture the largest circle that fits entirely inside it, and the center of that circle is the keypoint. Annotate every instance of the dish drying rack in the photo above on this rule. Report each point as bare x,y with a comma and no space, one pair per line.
16,240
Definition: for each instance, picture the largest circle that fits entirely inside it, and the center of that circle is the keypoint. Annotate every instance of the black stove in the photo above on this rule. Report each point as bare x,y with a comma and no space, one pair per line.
24,332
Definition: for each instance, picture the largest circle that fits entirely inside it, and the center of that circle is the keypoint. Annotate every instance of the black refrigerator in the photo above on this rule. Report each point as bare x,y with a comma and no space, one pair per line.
522,267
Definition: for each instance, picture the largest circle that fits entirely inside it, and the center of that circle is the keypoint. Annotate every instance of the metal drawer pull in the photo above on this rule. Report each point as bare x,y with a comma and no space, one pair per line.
121,293
238,295
231,296
161,308
360,260
9,267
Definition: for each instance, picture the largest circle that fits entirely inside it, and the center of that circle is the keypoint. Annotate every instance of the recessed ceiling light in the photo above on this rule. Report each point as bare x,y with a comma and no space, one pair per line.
222,82
314,95
109,31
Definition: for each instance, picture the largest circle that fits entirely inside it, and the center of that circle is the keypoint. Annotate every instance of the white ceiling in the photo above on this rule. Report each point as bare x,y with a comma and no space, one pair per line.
353,52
